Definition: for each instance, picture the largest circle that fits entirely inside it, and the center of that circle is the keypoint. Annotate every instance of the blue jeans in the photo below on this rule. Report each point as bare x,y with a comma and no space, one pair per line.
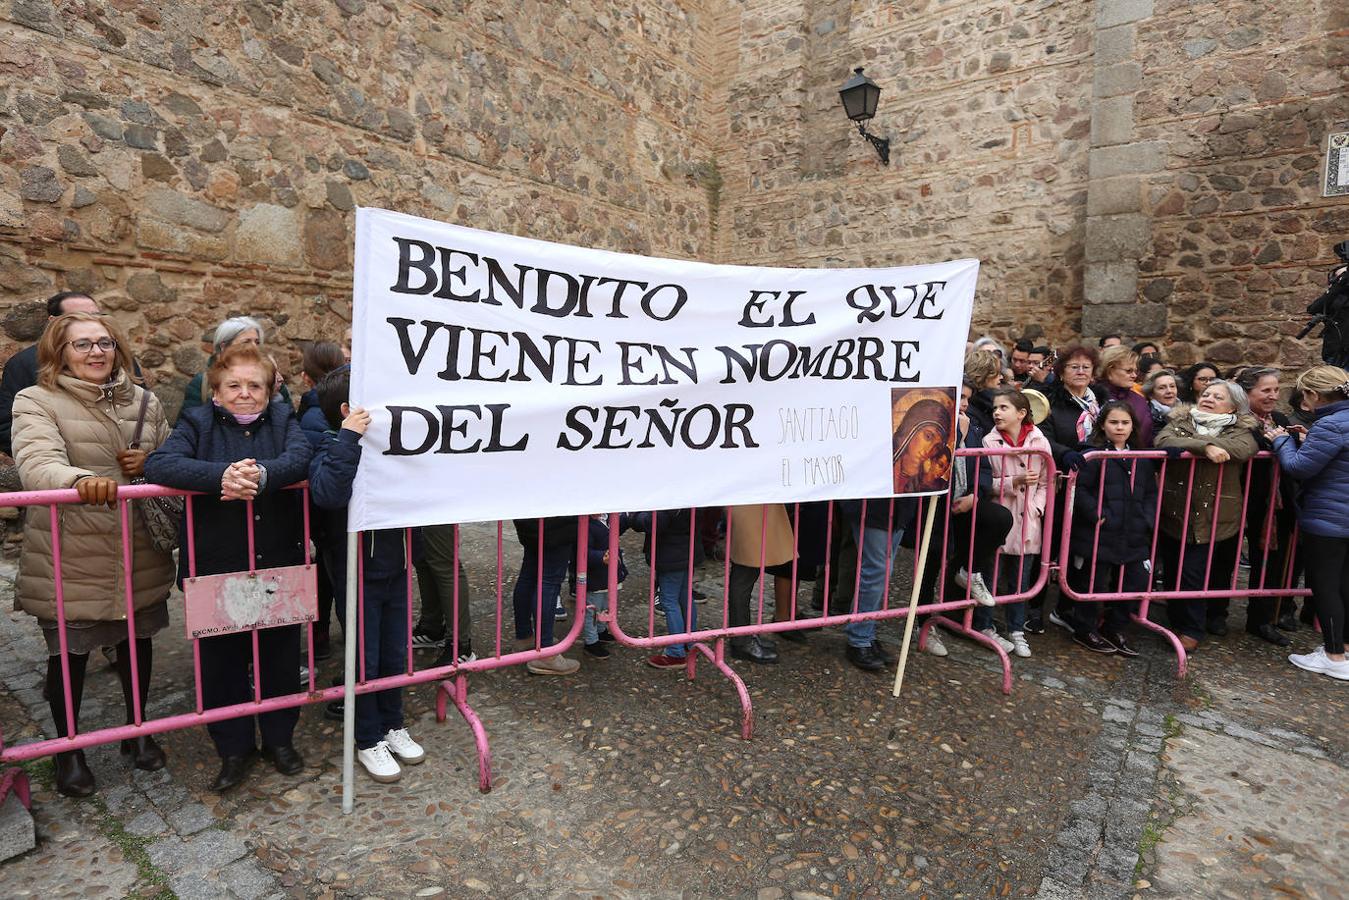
1015,575
385,650
674,599
877,559
525,595
595,601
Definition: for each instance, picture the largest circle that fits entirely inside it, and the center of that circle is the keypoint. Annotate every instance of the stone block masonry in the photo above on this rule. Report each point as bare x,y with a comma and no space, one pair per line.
217,152
190,161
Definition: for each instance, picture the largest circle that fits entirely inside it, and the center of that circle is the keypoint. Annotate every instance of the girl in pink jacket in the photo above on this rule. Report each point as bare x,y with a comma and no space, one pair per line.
1021,484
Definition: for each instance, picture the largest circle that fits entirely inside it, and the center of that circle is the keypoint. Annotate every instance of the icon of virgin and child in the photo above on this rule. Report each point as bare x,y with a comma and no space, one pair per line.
923,422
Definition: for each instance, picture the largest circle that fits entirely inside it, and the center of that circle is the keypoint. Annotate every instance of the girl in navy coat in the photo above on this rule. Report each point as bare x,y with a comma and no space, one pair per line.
1114,510
1321,463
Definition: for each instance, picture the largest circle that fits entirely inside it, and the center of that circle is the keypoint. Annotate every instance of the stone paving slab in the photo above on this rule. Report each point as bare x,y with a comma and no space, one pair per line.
1254,821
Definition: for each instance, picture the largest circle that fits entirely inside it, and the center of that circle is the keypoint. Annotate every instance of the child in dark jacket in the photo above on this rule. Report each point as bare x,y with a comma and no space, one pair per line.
598,564
666,547
382,741
1114,510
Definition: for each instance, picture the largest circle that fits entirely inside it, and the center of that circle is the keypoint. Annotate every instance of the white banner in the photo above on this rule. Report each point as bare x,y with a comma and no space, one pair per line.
511,378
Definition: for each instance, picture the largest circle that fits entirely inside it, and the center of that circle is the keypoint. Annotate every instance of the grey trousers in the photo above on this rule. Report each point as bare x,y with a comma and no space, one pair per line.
436,577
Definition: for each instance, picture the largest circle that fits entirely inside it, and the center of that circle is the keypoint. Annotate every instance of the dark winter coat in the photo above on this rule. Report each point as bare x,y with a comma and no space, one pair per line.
559,534
1238,440
205,442
1127,511
980,411
313,422
597,573
1060,426
1321,463
1260,506
20,372
331,474
672,538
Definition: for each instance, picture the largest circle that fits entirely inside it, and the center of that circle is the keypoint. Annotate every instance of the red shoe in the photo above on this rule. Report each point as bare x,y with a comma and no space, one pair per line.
661,661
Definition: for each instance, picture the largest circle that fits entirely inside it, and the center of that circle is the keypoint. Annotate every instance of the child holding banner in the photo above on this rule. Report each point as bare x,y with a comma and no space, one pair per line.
382,742
1022,487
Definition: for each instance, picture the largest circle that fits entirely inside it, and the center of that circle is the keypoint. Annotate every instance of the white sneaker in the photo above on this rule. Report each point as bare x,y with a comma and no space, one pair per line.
978,590
552,665
404,747
560,612
1317,661
379,762
1056,619
1019,645
934,644
992,634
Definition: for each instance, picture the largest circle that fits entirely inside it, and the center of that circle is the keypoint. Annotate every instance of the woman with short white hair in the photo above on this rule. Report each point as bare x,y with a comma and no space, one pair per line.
235,331
1201,505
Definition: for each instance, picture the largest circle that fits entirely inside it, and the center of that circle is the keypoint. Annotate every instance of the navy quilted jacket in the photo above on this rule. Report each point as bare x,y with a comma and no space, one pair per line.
1321,463
204,443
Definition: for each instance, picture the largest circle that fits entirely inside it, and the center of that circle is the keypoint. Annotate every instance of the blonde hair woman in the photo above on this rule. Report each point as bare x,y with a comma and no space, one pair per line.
74,429
1321,464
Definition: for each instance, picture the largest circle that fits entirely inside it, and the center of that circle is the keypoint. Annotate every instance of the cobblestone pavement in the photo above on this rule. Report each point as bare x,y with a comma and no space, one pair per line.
1097,777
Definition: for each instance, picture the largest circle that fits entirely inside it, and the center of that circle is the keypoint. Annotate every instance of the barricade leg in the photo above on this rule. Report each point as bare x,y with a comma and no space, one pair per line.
964,629
1141,618
456,689
15,781
717,656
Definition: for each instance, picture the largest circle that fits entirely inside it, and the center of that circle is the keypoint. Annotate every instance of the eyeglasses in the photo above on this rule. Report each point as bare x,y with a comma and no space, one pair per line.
85,346
1083,367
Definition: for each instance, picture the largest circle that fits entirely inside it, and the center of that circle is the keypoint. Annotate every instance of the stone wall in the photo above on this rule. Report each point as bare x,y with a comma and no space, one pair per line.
188,161
988,109
1146,165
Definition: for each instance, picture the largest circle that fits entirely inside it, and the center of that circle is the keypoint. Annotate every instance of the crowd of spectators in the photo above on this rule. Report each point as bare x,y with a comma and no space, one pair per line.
1186,520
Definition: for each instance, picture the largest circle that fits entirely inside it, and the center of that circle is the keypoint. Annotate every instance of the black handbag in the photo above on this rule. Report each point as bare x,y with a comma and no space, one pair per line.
161,515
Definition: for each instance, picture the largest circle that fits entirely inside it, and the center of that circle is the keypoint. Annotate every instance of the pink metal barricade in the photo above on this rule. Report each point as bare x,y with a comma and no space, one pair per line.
710,641
453,676
1271,541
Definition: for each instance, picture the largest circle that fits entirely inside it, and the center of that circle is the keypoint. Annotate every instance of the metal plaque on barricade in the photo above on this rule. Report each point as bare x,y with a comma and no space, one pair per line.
240,601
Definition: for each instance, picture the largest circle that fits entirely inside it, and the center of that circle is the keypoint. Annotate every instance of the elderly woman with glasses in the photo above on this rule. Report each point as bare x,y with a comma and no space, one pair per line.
1119,372
87,425
239,331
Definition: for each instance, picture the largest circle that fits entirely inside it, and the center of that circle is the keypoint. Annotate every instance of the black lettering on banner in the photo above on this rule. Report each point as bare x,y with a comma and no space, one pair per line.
450,426
758,299
667,424
872,308
396,445
848,358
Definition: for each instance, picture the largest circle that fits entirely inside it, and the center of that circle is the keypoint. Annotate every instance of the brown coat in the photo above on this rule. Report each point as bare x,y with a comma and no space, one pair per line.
747,540
60,436
1239,441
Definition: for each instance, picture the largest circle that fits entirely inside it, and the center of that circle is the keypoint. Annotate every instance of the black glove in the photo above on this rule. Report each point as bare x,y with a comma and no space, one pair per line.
1073,460
1173,452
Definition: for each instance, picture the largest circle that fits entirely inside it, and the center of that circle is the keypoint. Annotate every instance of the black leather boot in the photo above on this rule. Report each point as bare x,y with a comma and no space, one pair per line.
755,649
73,776
145,752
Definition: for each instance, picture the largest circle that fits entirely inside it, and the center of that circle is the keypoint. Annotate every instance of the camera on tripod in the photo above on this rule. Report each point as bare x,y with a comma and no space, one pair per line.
1331,310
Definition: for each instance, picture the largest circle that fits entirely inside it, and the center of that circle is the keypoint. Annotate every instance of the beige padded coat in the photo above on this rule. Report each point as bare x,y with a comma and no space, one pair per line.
749,545
61,435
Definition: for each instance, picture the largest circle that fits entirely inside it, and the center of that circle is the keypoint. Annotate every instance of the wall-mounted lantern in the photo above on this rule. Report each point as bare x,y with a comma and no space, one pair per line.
860,95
